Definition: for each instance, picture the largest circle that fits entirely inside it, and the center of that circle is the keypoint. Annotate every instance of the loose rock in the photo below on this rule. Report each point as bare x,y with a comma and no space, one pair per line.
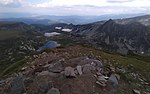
16,86
53,91
113,80
56,67
136,91
101,83
98,63
87,68
101,79
69,71
79,69
44,88
117,76
47,73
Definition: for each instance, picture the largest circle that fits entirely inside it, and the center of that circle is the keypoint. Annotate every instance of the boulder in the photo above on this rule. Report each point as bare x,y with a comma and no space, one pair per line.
53,91
69,71
16,86
113,80
56,67
98,63
79,69
136,91
43,89
87,68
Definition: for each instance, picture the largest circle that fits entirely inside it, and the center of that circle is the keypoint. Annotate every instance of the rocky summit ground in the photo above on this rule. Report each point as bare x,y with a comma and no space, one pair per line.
76,70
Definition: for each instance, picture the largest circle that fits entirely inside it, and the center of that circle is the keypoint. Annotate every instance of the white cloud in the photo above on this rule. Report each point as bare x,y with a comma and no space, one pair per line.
5,2
119,1
137,3
73,3
78,7
100,3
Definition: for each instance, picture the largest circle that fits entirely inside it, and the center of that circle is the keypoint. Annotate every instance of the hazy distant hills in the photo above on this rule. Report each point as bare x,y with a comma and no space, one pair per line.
12,26
52,19
31,20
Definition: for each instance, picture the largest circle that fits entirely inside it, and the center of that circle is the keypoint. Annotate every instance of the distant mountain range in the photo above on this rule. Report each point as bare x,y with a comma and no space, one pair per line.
51,19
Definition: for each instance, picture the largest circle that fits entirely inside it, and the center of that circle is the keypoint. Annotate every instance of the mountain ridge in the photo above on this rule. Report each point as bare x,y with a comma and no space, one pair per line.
134,35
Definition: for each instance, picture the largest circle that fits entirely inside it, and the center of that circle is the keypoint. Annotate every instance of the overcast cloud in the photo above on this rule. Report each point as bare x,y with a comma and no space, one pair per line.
75,7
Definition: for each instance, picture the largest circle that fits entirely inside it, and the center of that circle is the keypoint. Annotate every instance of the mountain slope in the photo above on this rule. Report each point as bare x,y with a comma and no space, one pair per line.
52,69
145,20
113,36
17,40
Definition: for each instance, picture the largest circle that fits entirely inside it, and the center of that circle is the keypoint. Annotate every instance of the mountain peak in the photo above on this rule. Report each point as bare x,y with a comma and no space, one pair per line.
109,22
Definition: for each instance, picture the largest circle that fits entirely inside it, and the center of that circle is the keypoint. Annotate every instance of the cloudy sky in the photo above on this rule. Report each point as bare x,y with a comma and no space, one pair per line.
75,7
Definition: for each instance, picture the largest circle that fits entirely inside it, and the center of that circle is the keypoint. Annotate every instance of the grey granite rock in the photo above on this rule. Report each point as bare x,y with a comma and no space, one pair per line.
53,91
44,88
87,68
69,71
136,91
79,69
16,86
56,67
113,80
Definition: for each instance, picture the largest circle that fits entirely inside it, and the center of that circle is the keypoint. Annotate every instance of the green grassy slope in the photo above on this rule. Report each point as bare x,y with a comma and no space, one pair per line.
9,34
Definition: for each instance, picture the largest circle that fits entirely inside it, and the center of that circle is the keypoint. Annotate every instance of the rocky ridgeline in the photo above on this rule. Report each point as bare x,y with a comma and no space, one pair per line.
80,75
